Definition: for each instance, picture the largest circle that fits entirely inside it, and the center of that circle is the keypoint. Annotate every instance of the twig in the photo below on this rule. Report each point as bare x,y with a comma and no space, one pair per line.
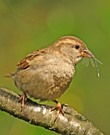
72,123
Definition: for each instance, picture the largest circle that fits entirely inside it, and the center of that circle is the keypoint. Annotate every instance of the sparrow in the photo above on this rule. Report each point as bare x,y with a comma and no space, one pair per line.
45,74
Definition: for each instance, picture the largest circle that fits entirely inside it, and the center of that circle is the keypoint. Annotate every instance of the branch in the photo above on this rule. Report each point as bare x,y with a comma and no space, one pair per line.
72,123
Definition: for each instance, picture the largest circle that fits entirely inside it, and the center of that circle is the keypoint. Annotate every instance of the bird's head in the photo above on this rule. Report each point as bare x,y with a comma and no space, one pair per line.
75,49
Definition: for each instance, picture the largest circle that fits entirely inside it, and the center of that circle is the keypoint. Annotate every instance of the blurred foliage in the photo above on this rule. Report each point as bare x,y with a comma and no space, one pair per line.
26,25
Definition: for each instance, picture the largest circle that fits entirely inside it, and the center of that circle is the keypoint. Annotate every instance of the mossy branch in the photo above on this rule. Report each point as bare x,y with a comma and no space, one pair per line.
72,123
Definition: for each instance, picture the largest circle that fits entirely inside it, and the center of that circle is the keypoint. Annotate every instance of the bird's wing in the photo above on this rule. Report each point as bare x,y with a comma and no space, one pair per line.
25,62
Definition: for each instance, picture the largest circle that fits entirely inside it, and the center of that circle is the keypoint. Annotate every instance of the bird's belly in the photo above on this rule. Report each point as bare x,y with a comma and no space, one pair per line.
44,84
48,92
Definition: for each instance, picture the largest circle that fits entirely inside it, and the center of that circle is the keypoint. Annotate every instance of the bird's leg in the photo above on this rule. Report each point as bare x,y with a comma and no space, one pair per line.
23,99
58,107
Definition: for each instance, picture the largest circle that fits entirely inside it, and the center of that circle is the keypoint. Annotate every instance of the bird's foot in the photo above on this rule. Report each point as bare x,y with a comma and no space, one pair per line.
22,100
58,107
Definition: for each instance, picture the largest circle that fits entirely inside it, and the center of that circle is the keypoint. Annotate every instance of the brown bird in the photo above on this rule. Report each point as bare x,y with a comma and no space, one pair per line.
46,74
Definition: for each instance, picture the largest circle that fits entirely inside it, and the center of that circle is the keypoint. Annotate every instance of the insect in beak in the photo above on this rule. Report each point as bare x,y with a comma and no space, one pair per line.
86,53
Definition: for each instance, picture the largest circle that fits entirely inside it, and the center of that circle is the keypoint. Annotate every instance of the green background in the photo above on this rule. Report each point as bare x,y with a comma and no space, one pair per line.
27,25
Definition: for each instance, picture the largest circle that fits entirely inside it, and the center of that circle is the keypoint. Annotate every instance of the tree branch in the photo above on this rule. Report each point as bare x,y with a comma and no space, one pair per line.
72,123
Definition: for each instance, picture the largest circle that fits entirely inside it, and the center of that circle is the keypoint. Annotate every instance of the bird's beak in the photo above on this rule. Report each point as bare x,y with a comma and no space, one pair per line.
86,53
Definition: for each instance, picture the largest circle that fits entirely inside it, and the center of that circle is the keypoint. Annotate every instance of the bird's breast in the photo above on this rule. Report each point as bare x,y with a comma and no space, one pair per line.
47,82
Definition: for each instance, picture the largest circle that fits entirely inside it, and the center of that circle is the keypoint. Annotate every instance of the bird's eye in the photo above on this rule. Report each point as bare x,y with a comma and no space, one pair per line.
77,47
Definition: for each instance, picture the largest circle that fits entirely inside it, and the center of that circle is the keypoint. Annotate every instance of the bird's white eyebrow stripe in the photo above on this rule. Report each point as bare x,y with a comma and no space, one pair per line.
66,41
71,39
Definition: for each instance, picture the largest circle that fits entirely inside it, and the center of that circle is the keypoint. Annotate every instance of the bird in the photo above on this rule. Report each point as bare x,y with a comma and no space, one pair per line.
45,74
